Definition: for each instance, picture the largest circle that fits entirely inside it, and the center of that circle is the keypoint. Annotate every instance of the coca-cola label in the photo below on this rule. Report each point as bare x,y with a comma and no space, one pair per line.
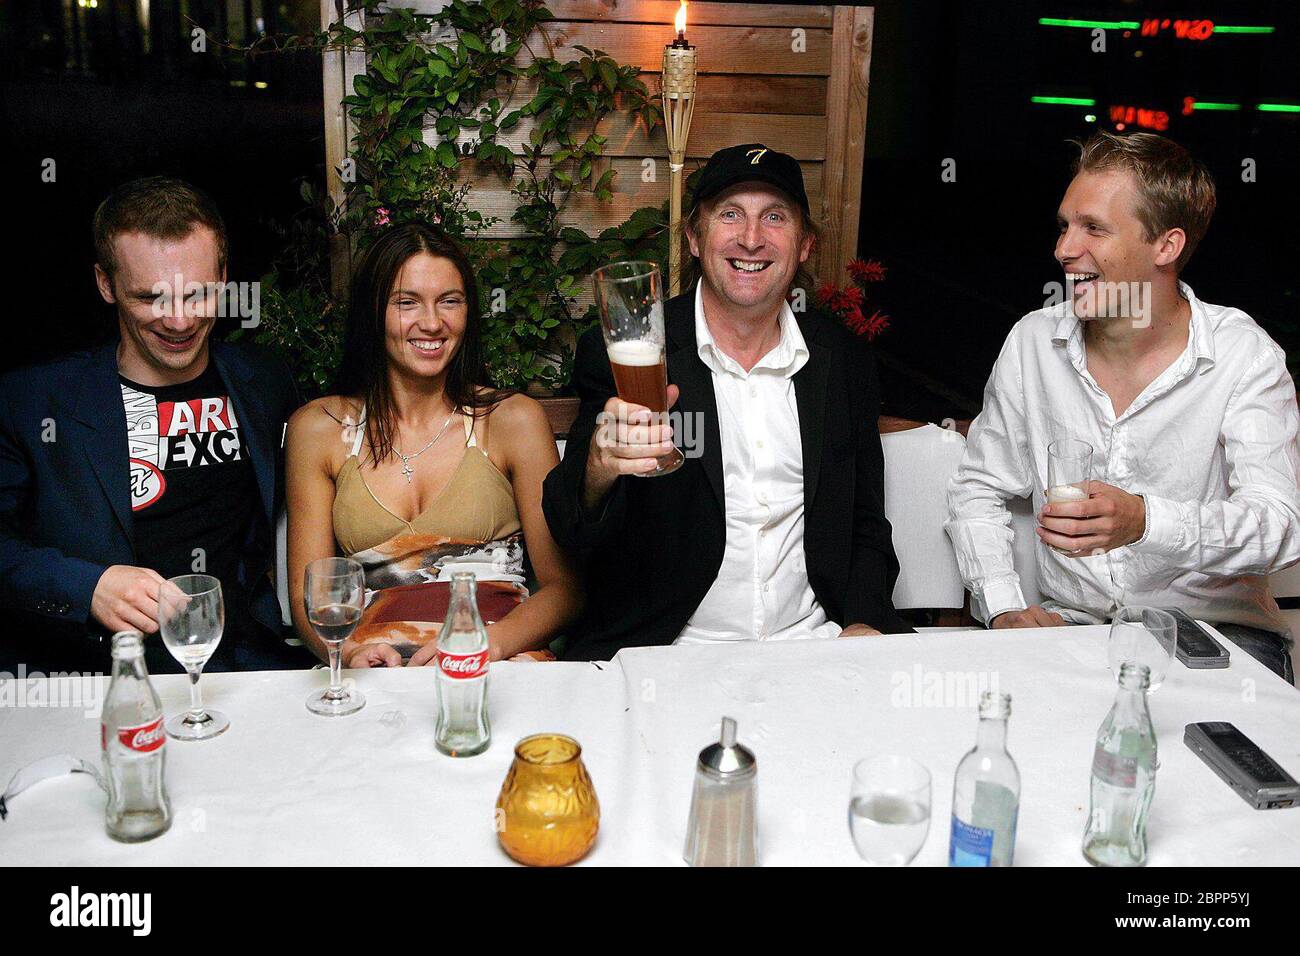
1114,769
146,738
463,666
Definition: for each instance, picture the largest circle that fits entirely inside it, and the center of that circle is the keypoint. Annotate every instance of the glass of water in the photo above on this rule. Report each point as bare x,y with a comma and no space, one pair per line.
1143,635
889,809
191,616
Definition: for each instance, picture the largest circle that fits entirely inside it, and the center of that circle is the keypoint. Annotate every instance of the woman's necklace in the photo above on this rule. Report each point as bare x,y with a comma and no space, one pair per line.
407,470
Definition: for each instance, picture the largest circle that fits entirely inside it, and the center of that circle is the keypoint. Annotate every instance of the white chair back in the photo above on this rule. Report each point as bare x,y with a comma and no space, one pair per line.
918,464
1024,547
282,567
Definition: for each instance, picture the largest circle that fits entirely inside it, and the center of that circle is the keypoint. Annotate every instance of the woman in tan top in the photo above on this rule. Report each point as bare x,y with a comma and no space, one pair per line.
416,469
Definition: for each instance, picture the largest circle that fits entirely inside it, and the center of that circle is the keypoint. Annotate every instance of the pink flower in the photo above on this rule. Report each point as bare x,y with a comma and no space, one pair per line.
381,216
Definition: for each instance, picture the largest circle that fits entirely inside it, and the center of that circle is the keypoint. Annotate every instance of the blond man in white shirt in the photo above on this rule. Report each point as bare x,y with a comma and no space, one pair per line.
1189,409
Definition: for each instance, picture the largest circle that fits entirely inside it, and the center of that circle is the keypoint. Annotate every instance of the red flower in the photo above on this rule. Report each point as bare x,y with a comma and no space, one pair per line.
827,294
870,270
856,321
876,324
851,296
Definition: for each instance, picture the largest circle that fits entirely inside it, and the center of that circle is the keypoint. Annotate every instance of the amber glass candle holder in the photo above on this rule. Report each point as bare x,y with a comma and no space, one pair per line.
547,812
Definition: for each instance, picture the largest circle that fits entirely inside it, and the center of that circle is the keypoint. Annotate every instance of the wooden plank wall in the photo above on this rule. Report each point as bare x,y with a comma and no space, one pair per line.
754,86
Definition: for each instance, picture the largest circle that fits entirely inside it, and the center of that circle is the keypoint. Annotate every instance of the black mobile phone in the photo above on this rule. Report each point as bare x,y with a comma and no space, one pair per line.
1197,648
1242,765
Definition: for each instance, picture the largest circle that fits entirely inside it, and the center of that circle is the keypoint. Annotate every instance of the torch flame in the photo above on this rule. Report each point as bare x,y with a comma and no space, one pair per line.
679,21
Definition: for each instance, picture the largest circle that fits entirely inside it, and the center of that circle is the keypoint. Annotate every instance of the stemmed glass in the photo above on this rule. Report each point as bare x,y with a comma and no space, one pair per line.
191,616
335,595
1143,635
889,809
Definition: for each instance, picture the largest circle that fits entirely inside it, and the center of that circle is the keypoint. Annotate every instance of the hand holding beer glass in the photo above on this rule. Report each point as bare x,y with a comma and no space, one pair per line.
1069,469
635,438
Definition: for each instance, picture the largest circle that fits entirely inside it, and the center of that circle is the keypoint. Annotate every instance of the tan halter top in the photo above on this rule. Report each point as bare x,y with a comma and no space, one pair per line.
472,525
478,503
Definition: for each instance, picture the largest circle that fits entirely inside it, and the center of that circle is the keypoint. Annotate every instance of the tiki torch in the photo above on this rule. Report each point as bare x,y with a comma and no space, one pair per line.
678,80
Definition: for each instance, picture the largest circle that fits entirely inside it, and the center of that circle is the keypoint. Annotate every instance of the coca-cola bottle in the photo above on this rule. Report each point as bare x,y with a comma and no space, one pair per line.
462,674
135,747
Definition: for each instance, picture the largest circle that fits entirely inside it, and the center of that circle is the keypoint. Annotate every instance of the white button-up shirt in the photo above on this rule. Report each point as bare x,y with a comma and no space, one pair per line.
762,591
1210,444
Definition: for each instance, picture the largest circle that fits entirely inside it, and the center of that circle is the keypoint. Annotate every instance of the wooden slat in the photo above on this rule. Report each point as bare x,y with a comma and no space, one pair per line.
734,93
721,49
491,195
803,137
846,100
338,70
663,11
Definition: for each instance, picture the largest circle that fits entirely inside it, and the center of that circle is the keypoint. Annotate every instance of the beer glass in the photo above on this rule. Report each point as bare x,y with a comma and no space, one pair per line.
889,809
191,617
1143,635
335,595
1069,468
629,297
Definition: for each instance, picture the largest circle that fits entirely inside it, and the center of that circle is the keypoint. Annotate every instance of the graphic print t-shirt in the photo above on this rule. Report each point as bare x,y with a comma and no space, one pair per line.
192,482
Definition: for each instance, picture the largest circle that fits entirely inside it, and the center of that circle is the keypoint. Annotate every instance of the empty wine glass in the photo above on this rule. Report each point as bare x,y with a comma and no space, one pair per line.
335,594
191,616
889,809
1143,635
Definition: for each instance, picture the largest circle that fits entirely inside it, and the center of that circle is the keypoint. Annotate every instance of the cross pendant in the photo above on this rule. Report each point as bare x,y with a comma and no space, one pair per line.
407,470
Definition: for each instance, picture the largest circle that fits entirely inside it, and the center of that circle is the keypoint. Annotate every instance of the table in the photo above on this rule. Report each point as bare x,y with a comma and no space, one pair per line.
283,786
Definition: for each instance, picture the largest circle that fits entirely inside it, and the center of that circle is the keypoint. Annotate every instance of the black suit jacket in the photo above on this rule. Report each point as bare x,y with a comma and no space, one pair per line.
65,504
655,550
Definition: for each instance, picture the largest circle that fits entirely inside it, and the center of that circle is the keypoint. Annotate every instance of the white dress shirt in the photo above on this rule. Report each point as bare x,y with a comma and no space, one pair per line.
1210,445
762,591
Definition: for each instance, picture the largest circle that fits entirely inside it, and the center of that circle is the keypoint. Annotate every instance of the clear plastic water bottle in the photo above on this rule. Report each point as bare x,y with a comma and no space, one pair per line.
1123,776
986,793
462,674
134,746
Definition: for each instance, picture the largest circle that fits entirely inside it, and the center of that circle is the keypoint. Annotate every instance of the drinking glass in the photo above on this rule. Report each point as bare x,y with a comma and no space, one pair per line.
1143,635
1069,468
629,297
191,616
335,595
889,809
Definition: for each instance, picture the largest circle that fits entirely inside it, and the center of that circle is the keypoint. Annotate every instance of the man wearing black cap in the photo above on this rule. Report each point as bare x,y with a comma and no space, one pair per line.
776,529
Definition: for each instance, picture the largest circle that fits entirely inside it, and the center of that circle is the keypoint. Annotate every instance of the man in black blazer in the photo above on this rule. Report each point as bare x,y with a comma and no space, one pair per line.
776,528
149,457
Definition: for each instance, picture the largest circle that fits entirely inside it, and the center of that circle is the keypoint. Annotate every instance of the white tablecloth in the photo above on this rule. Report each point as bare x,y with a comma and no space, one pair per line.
285,786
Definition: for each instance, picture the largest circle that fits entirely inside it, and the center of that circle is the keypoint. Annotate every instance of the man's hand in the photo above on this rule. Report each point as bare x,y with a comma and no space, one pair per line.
1032,616
126,599
859,630
1109,518
371,655
626,442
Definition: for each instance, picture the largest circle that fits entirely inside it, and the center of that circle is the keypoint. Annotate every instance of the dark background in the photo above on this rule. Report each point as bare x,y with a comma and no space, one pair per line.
108,101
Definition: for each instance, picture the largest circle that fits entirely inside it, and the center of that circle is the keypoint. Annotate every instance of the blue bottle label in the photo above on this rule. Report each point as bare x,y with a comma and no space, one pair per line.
970,845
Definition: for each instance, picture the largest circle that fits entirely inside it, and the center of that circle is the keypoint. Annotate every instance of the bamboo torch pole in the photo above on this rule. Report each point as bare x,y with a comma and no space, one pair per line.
678,80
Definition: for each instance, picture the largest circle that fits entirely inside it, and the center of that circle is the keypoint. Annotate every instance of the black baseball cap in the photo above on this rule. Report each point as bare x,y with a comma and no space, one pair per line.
747,163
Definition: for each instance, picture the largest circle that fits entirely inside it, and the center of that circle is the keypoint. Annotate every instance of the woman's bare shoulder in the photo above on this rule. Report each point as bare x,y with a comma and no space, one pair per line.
518,413
325,417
